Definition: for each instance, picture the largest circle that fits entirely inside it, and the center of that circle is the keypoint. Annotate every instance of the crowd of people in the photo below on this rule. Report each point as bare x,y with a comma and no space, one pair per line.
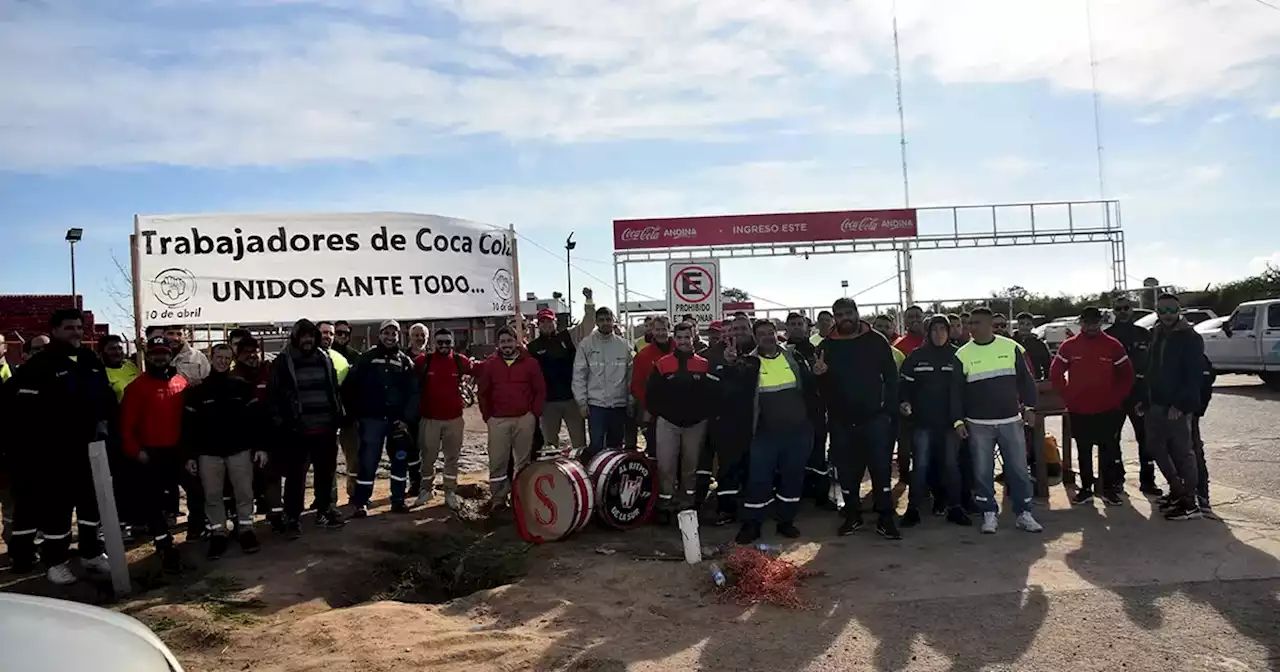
769,416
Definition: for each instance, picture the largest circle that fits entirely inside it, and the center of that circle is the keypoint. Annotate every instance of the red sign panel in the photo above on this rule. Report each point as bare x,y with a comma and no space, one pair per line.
794,227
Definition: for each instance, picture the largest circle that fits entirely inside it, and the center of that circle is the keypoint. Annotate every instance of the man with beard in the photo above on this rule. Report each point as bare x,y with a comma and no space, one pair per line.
190,362
512,394
342,341
682,393
381,393
1036,349
642,368
785,403
913,319
55,405
601,378
859,380
266,479
998,398
1093,374
120,371
1174,377
928,388
440,426
1137,342
730,436
418,337
348,435
555,351
306,406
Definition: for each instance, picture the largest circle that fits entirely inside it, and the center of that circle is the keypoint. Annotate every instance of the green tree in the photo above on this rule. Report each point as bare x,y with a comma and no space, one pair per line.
734,294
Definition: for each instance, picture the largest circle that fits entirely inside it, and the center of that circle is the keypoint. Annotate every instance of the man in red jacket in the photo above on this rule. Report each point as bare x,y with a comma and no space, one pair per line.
151,432
511,395
440,404
641,367
1093,374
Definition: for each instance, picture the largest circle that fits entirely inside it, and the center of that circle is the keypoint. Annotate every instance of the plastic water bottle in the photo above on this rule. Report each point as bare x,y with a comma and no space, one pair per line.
768,549
717,575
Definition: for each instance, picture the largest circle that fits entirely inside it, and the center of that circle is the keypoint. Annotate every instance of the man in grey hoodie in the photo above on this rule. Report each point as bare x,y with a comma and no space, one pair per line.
601,382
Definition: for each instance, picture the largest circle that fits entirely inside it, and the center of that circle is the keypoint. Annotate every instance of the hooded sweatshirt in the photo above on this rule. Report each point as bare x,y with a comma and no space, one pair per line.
303,388
931,380
862,376
1176,367
602,371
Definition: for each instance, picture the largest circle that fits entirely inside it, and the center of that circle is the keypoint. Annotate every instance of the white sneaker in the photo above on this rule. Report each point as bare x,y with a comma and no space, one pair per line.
1027,522
61,575
452,500
990,522
423,499
99,564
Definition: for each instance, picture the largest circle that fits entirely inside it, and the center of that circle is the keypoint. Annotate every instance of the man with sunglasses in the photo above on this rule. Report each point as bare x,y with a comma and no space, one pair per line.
440,406
1174,376
1137,343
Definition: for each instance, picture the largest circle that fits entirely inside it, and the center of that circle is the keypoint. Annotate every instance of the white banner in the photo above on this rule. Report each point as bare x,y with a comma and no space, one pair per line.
693,288
234,269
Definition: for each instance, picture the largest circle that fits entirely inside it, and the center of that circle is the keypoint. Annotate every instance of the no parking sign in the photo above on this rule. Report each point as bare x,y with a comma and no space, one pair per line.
693,288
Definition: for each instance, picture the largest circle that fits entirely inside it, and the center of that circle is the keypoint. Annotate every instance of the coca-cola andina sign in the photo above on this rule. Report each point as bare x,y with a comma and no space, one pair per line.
796,227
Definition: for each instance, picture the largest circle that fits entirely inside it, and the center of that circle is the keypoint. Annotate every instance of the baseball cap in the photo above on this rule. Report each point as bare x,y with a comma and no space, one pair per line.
389,323
1090,314
716,325
159,343
546,314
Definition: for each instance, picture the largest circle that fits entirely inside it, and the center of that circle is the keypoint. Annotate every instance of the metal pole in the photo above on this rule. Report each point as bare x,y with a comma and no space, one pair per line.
74,301
568,271
109,518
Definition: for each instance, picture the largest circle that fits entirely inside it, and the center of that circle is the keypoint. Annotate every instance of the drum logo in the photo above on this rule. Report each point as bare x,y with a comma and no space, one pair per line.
628,491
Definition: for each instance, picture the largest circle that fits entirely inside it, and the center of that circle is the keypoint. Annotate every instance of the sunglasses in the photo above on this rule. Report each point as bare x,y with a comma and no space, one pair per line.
343,332
1122,309
1167,310
1000,325
445,344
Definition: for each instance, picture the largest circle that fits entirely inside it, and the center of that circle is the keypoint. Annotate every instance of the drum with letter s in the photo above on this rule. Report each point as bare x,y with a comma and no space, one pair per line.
552,499
626,487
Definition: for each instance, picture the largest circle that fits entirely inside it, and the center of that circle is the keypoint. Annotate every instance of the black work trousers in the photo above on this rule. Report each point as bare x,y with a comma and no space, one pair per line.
857,447
817,470
291,462
165,472
1146,461
44,498
1101,430
732,443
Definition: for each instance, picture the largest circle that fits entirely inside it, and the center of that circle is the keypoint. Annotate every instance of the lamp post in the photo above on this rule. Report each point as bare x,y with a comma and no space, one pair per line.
73,237
844,288
569,246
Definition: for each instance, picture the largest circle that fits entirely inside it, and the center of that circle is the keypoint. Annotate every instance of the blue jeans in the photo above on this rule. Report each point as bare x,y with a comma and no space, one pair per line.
374,434
776,452
935,450
604,429
983,440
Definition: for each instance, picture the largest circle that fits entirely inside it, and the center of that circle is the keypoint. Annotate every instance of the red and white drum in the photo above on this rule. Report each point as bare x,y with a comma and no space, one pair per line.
552,499
626,487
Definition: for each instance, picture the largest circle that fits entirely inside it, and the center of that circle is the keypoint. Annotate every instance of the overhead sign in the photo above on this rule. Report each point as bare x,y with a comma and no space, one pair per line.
216,269
795,227
693,288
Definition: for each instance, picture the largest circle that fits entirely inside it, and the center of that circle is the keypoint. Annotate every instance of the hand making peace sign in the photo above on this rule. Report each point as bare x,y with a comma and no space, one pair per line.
820,366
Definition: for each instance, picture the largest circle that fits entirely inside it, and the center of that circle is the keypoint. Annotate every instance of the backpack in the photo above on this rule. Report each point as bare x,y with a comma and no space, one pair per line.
426,364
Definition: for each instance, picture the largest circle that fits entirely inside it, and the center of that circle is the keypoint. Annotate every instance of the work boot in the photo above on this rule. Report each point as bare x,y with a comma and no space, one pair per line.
1150,489
724,518
1083,496
957,516
452,500
399,507
249,543
217,546
910,519
748,534
789,530
61,575
97,564
276,521
886,528
852,522
170,560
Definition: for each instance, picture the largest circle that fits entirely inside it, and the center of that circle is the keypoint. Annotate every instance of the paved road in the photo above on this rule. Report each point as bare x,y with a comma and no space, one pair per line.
1242,436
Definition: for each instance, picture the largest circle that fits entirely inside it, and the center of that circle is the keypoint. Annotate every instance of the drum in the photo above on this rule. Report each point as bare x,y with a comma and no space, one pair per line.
552,499
626,488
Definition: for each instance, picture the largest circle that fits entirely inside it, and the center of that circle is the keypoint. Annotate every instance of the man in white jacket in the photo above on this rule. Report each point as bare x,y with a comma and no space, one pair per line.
190,363
601,378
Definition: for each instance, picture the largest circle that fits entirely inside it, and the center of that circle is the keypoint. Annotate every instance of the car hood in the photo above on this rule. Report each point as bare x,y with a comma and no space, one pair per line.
39,633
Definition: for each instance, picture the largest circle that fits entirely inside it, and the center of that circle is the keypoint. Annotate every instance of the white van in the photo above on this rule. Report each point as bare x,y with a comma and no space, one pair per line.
1246,342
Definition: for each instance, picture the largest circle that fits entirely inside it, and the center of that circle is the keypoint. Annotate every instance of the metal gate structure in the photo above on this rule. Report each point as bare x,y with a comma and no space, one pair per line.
902,232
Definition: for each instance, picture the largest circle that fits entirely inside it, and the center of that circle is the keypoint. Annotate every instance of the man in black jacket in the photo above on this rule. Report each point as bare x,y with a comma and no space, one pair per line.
681,394
1137,343
930,384
1174,376
55,405
858,379
554,350
1207,378
305,404
730,436
1036,349
817,483
381,393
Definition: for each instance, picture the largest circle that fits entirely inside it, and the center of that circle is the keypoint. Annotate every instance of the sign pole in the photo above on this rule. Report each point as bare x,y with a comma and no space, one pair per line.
109,518
136,282
515,284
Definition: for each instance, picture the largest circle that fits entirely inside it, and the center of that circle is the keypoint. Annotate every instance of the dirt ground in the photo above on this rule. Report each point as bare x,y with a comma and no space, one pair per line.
1101,588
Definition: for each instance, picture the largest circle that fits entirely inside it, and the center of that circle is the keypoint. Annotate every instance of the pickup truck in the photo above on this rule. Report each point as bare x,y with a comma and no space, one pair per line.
1247,342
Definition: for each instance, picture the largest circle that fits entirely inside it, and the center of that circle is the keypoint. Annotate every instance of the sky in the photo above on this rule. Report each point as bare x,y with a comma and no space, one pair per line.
560,116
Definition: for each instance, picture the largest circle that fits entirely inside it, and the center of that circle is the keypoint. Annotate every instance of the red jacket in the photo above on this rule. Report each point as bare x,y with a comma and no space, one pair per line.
1092,373
151,413
440,379
908,342
511,390
642,366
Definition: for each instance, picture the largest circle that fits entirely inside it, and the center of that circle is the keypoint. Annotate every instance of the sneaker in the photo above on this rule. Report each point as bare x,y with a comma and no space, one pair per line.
170,560
332,519
1027,523
724,518
990,523
957,516
1083,496
422,501
1151,490
276,521
217,546
886,528
249,543
939,508
1206,510
852,523
360,512
1112,499
126,534
98,564
1183,512
1165,502
399,507
452,500
789,530
61,575
910,519
313,505
749,533
293,529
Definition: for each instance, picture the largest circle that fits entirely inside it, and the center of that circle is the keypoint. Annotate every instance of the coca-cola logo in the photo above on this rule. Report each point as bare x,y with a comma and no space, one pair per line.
874,224
645,234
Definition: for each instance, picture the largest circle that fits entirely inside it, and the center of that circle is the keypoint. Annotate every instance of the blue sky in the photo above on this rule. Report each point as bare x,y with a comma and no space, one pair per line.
561,115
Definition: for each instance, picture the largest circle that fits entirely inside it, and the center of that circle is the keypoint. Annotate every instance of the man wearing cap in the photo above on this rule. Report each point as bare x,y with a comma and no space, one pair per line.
381,393
601,378
440,426
555,351
1093,374
1137,342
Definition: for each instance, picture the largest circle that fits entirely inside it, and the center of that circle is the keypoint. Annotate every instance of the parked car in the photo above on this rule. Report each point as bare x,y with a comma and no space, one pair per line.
1248,341
41,633
1193,315
1056,332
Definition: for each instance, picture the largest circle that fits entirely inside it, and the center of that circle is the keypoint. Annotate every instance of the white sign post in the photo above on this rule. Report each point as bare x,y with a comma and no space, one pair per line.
219,269
693,288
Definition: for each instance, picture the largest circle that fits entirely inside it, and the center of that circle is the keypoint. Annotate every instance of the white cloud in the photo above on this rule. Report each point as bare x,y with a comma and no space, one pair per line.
1206,174
353,80
1273,112
1013,165
1149,119
1222,117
